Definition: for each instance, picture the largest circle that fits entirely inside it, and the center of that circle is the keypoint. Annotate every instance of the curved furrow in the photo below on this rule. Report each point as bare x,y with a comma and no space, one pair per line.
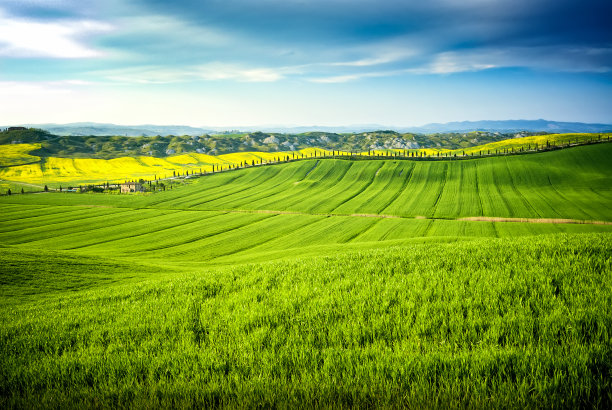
156,224
477,187
204,184
369,181
266,238
247,197
71,227
208,198
51,219
224,238
294,193
368,200
433,208
31,211
402,189
167,245
211,182
532,211
299,197
500,195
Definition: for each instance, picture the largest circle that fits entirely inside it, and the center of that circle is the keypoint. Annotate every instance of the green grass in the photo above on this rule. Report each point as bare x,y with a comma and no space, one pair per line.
503,323
526,186
16,187
283,286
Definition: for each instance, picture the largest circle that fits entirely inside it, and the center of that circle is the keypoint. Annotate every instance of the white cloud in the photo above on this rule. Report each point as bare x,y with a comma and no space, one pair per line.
56,39
365,62
219,71
378,57
337,78
146,75
170,28
27,89
355,77
578,59
208,72
452,62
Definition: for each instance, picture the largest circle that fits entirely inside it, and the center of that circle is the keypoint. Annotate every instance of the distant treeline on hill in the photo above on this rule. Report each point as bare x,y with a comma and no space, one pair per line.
160,146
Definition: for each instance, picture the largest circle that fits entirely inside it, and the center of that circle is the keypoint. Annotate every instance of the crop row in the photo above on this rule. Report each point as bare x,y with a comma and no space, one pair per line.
563,184
203,236
571,184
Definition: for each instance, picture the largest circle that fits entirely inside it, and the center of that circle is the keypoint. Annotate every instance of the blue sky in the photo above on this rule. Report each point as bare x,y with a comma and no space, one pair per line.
304,62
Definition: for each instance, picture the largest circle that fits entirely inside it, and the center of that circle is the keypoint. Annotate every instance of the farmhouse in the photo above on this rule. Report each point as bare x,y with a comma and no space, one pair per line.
131,187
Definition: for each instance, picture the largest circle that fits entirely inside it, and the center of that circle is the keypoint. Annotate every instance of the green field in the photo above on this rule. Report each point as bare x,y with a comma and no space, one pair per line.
327,283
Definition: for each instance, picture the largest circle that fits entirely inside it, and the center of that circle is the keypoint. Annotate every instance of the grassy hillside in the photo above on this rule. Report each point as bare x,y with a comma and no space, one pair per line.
27,165
575,184
505,323
535,141
312,284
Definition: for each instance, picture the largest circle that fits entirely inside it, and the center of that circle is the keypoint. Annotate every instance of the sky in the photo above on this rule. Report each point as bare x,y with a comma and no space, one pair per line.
304,62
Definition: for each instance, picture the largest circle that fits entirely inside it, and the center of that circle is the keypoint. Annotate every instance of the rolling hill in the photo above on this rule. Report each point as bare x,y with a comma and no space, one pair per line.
473,282
37,158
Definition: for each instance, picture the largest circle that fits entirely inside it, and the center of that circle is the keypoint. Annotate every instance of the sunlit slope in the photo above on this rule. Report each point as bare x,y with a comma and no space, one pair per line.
259,287
519,144
203,237
17,165
17,154
320,207
83,170
533,142
575,183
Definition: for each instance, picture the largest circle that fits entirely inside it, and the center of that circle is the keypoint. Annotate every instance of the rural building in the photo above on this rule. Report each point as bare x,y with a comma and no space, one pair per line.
131,187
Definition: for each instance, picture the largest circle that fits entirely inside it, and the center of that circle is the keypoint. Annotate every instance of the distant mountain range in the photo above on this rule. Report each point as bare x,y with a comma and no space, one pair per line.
97,129
511,126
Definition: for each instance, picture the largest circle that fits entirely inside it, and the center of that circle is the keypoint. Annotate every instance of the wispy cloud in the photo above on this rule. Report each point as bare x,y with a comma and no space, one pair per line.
205,72
571,59
159,32
453,62
355,77
37,88
218,71
374,57
29,38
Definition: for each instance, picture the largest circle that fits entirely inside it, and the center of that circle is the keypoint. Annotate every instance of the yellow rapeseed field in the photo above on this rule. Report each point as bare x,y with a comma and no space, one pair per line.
18,166
17,154
530,142
90,170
